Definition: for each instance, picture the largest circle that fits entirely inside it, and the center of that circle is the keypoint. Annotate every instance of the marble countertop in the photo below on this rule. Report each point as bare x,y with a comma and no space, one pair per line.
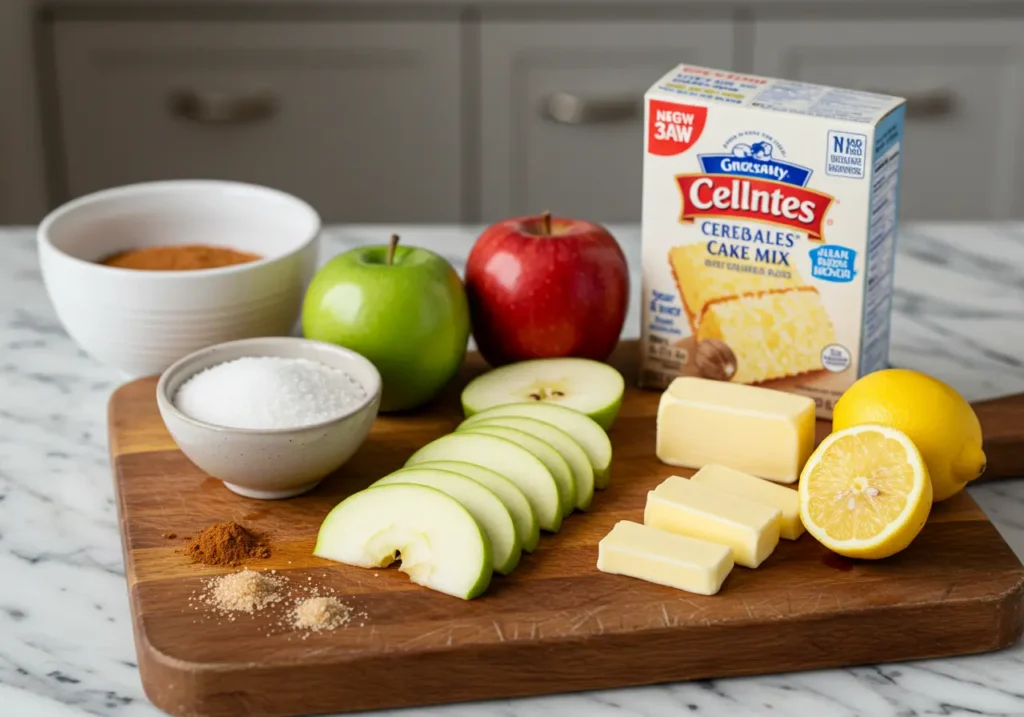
65,632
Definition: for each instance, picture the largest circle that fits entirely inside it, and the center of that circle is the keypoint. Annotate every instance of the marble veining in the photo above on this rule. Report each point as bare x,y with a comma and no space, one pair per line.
65,633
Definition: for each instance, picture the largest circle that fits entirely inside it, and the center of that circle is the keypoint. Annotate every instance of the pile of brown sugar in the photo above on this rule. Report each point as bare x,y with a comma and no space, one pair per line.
245,591
303,607
226,544
320,613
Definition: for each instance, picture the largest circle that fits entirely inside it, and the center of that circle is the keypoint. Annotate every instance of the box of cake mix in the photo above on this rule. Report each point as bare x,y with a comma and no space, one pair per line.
769,229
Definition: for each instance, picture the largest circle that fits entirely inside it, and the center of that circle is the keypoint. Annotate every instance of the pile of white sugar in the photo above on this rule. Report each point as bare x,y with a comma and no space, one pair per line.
268,392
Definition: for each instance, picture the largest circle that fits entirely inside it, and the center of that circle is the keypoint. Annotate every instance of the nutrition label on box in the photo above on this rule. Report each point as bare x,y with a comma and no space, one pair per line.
881,237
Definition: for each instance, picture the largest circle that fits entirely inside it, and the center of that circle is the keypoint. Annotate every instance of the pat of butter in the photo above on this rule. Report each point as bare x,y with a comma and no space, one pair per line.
745,485
656,556
699,510
757,430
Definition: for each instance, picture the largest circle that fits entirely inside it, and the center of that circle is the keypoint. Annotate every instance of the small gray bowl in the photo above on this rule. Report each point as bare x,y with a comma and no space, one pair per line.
270,463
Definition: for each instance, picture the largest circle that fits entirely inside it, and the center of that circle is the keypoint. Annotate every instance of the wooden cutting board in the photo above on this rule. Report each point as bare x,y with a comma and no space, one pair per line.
556,624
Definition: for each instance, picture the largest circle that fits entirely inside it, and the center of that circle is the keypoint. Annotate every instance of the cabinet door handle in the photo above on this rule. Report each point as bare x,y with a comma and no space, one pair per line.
567,108
932,105
217,108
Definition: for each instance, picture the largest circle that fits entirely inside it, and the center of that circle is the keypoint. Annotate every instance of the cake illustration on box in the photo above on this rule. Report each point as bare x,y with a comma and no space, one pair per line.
769,229
774,326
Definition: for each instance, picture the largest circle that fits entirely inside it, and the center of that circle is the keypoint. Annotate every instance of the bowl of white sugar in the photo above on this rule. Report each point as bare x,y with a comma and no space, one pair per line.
271,417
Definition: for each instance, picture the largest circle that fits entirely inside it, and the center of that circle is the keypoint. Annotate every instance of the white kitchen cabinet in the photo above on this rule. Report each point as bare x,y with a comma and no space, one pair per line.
964,81
362,119
562,112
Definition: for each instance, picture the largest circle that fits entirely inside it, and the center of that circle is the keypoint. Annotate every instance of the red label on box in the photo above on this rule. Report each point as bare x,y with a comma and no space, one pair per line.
673,128
758,200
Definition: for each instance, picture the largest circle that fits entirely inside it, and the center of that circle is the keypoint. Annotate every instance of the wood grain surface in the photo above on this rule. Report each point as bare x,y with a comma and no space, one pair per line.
556,624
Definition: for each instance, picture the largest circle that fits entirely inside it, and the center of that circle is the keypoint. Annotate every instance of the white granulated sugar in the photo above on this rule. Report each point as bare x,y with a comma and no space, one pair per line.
268,392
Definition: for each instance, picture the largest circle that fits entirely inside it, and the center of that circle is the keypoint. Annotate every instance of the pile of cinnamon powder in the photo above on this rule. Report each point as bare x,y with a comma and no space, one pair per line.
226,544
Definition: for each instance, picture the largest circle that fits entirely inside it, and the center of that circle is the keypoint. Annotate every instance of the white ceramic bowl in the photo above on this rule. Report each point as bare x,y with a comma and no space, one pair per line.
271,463
143,321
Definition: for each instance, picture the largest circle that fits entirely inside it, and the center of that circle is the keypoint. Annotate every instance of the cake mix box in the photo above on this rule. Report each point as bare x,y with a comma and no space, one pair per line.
769,228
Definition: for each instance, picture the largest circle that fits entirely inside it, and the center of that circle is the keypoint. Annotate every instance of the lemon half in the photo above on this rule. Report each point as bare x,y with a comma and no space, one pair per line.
865,492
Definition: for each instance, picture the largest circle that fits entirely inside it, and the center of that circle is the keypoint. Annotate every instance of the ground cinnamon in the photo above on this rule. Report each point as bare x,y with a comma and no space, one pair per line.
226,543
184,257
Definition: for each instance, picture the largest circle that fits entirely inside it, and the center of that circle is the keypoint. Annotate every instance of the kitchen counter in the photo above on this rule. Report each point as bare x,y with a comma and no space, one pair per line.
65,631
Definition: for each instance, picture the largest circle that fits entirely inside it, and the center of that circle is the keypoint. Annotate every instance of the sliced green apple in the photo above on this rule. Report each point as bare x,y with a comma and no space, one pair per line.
590,387
509,493
440,544
572,454
505,457
485,507
544,451
590,436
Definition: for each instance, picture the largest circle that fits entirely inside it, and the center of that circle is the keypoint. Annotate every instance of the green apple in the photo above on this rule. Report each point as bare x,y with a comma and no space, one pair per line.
509,493
403,308
590,387
440,544
485,507
579,464
590,436
559,469
505,457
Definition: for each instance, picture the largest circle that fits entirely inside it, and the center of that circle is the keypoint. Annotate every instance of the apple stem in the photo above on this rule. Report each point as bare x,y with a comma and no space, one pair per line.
391,249
545,218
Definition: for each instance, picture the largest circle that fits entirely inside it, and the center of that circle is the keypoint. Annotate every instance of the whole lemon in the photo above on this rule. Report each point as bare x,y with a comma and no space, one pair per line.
937,419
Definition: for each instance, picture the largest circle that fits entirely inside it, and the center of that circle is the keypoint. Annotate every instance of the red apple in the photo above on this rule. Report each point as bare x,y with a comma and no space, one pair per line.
546,287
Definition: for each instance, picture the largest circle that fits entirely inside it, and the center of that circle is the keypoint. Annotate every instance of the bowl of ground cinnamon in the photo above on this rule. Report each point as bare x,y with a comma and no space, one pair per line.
145,274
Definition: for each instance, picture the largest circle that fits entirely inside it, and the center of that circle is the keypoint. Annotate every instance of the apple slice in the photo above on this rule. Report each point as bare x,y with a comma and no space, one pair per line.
572,454
485,507
590,387
509,493
505,457
441,546
545,451
590,436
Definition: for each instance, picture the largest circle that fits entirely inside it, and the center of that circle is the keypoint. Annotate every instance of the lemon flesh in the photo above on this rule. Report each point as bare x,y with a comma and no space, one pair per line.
865,492
934,416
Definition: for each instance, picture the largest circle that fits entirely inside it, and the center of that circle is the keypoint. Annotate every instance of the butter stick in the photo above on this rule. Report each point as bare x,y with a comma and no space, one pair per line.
757,430
699,510
656,556
786,500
